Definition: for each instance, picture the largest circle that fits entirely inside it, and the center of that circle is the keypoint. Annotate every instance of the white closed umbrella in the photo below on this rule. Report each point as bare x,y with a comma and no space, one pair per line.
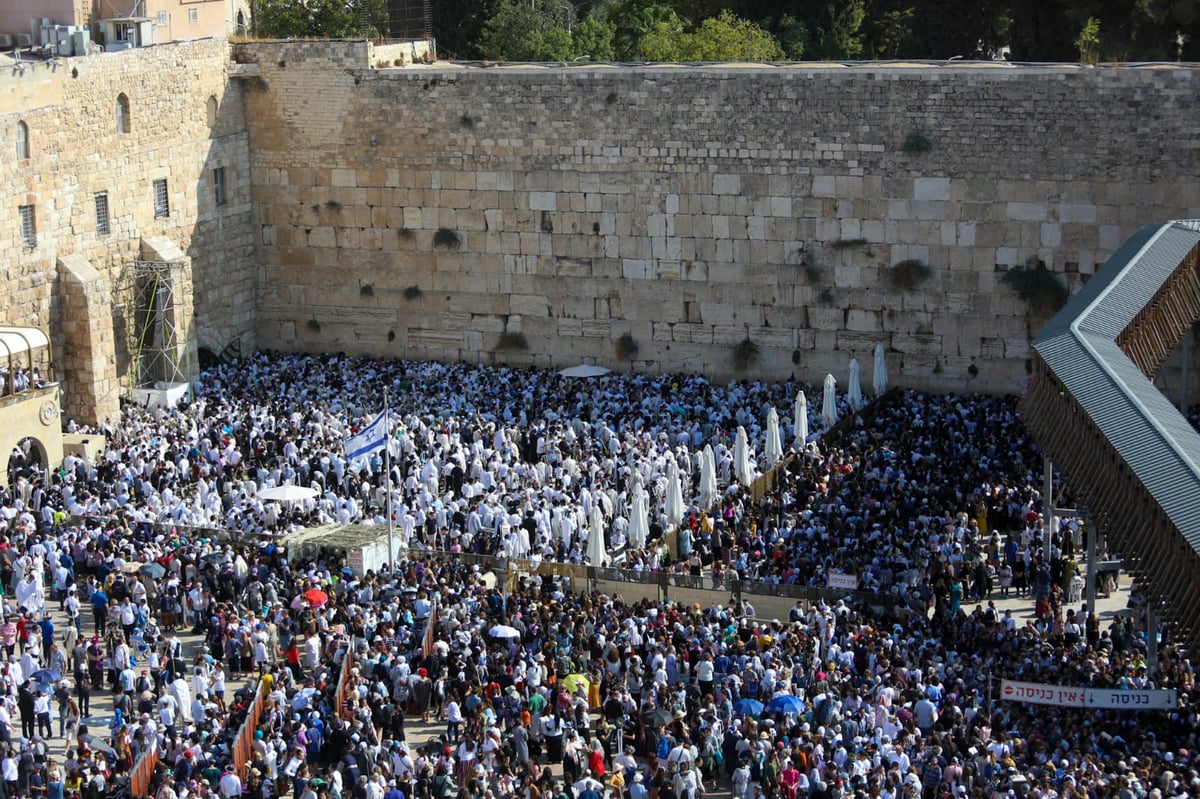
879,380
773,453
854,393
741,457
829,411
595,548
708,477
801,421
639,516
674,492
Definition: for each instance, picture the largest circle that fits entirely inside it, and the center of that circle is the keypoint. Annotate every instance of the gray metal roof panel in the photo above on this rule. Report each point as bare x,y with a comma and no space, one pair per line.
1079,346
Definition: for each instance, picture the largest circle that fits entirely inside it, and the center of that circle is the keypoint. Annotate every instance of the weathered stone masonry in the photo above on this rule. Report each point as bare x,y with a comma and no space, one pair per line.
693,207
425,212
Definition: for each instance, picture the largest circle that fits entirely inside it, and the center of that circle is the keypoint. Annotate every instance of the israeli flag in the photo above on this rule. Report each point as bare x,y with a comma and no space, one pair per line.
372,437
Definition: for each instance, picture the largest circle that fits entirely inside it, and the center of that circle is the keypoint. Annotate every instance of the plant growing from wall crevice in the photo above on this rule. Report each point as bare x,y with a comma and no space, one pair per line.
407,234
366,290
412,292
908,274
745,354
445,237
313,325
627,346
916,142
512,341
1040,288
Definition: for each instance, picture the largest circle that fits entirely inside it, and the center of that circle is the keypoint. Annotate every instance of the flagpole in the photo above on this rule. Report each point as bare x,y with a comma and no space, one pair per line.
387,465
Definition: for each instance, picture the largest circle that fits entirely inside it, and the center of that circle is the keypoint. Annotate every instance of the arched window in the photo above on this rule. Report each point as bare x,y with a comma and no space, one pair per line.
122,113
212,111
22,141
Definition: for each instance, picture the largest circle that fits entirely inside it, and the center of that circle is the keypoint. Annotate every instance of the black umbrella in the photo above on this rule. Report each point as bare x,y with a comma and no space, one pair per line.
658,717
154,571
98,744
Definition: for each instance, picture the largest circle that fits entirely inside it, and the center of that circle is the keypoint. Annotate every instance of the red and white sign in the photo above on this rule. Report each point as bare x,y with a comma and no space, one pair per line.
843,581
1110,698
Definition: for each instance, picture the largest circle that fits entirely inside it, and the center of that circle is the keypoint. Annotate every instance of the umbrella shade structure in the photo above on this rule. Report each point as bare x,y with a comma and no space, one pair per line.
829,411
98,744
584,370
786,703
287,493
504,632
708,477
572,682
154,571
639,516
773,453
741,457
674,492
597,555
46,676
316,597
132,567
748,707
657,717
801,421
879,379
854,392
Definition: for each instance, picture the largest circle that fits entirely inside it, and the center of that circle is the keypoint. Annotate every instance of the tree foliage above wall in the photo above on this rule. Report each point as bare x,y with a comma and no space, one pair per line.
704,30
334,19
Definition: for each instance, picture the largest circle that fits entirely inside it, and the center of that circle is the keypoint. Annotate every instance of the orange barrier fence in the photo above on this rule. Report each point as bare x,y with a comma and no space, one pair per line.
243,745
142,777
345,708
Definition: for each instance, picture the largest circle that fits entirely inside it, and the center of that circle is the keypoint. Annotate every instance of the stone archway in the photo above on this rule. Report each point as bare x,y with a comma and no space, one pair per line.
28,459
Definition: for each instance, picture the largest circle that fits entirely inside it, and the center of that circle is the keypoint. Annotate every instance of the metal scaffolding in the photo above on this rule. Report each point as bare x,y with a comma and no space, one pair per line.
146,312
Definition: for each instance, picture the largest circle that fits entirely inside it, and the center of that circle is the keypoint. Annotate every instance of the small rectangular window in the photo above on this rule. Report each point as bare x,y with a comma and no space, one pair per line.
219,185
193,15
28,226
162,203
102,225
162,19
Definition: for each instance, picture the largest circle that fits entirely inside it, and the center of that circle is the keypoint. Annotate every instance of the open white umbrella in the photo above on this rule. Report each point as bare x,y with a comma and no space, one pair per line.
503,631
708,477
829,411
741,457
880,377
287,493
639,516
854,393
584,370
674,492
801,420
773,453
595,547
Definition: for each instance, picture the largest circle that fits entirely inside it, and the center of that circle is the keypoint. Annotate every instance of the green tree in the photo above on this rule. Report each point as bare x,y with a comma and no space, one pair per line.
721,38
328,19
593,40
633,19
458,26
556,44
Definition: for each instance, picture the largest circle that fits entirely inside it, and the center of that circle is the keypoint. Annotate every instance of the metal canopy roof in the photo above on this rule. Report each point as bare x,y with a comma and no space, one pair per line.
1121,443
1079,346
18,340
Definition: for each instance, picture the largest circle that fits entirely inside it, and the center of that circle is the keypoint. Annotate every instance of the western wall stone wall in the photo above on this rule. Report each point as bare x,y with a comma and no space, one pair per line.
185,120
425,212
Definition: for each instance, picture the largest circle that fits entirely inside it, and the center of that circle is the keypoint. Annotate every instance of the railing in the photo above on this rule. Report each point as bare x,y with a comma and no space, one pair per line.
141,778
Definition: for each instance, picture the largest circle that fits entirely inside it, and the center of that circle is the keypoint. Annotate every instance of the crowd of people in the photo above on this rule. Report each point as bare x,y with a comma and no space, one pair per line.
931,500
